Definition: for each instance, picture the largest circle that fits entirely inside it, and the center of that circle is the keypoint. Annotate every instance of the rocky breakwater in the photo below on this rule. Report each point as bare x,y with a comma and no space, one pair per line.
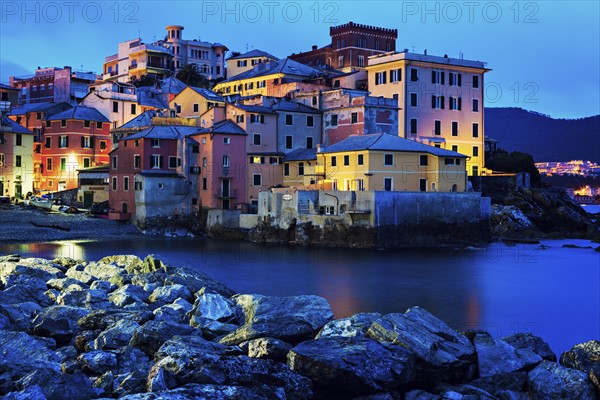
123,327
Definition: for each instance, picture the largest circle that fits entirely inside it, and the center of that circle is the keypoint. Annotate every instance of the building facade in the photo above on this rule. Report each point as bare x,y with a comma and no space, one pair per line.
245,62
16,159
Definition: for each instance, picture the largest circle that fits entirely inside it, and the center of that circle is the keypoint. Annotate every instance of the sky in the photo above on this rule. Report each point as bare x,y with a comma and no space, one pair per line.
544,55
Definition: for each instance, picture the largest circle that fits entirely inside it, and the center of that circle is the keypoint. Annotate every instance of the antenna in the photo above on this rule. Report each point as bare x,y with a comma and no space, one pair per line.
139,34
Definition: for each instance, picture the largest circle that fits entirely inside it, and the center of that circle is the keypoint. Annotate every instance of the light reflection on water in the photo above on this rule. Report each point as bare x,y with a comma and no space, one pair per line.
552,292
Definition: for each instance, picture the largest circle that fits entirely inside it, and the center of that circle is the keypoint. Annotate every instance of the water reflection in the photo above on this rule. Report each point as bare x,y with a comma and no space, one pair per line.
553,292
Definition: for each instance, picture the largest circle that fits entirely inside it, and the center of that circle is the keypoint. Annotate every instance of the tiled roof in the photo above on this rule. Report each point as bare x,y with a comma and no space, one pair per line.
143,120
225,127
254,53
151,97
80,113
163,132
7,87
386,142
172,85
292,106
38,107
208,94
301,155
283,66
8,125
254,109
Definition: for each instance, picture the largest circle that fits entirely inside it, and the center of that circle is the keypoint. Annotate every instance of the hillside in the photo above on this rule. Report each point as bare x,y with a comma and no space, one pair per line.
546,138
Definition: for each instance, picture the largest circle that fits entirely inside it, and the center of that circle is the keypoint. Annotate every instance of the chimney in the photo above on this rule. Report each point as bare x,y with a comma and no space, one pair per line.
314,47
319,148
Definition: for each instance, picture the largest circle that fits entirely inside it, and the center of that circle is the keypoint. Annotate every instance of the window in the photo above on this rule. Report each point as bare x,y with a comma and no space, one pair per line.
413,126
48,142
388,184
114,183
309,142
414,77
423,184
196,107
289,119
475,170
239,118
288,141
63,123
98,125
301,168
227,140
114,162
38,115
133,109
125,183
86,124
333,161
256,179
86,162
155,143
156,161
18,140
360,159
454,79
396,75
115,106
226,161
475,151
86,142
63,164
48,124
204,162
454,128
360,184
380,78
414,100
204,183
437,127
286,169
256,139
346,160
273,160
388,159
438,77
347,185
195,149
63,142
452,161
437,102
455,148
423,160
475,81
178,108
310,120
17,161
475,105
174,162
334,120
475,129
354,117
138,185
103,145
48,164
361,61
340,61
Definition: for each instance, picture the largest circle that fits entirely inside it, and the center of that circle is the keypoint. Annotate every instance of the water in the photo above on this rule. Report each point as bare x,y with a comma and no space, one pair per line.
552,292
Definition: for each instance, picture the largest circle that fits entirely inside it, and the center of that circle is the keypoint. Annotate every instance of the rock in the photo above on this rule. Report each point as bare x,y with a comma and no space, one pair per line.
104,271
496,356
167,294
66,284
352,366
212,329
444,354
291,319
214,306
88,298
552,381
32,282
20,315
421,395
101,319
67,353
134,264
149,281
196,281
31,392
105,286
80,275
10,258
84,340
67,262
58,322
97,362
116,335
585,357
356,325
500,383
534,343
153,334
29,267
127,295
195,391
175,311
24,293
273,349
464,392
59,386
104,384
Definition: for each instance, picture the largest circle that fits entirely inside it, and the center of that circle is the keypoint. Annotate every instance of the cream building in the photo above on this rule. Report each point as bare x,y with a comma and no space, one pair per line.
245,62
440,100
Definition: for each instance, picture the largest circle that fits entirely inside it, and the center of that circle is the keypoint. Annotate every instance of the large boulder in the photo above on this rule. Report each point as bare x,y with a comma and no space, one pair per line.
585,357
533,343
356,325
26,293
196,281
97,362
58,322
175,311
501,384
129,295
442,353
19,315
167,294
340,366
495,356
117,335
88,298
273,349
66,284
153,334
60,386
30,267
214,306
291,319
102,319
552,381
132,372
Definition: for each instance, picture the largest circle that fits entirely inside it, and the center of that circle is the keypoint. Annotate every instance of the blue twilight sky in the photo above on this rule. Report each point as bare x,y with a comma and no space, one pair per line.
545,55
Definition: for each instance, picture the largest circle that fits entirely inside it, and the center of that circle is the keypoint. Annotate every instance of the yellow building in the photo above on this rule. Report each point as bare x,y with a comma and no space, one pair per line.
245,62
299,169
390,163
16,159
440,100
192,102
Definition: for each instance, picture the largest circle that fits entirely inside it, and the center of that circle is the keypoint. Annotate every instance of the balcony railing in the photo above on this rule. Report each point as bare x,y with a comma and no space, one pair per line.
231,194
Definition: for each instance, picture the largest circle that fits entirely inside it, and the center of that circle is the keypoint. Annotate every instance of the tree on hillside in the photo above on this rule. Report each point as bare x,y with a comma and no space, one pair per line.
191,76
516,161
143,80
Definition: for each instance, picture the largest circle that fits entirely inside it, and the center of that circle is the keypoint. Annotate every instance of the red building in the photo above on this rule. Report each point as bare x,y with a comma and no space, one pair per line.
351,45
73,139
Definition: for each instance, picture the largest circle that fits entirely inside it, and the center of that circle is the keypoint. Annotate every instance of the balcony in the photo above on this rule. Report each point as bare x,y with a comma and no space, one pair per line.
230,194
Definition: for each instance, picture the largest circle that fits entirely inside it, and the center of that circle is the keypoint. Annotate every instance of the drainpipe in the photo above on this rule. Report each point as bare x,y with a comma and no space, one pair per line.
337,201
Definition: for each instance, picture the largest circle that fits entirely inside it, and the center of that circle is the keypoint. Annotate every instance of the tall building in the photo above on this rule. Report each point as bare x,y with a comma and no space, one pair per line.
440,100
351,45
16,159
53,84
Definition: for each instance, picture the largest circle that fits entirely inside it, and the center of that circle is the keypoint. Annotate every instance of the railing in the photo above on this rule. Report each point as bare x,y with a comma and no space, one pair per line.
231,194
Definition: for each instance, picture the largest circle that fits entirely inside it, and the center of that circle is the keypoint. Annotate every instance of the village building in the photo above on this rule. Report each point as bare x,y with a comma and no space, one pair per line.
192,102
93,185
9,98
245,62
299,169
16,159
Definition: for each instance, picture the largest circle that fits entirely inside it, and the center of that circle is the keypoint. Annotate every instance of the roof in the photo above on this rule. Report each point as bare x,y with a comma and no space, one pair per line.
225,127
283,66
254,53
98,168
292,106
254,109
80,113
171,85
163,132
301,155
387,142
7,87
208,94
151,97
144,120
39,107
8,125
160,173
